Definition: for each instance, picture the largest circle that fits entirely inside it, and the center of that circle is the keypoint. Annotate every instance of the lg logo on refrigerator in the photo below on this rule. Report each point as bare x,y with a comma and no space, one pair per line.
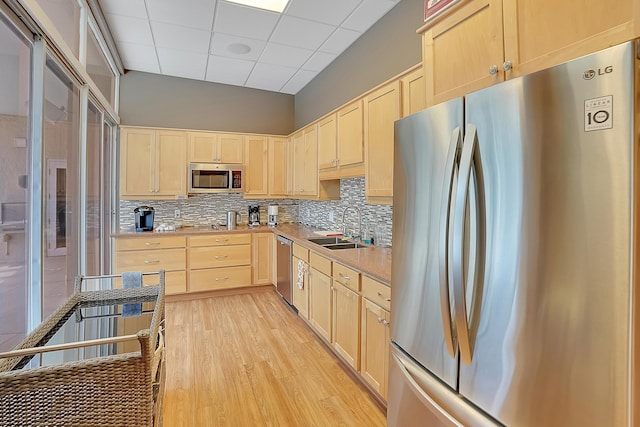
590,74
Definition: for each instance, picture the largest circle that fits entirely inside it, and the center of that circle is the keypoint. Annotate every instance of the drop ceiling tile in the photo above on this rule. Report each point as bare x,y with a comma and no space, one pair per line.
331,12
130,30
339,41
318,61
188,13
221,42
182,63
181,38
228,70
245,21
287,56
301,33
298,81
134,8
139,57
269,77
367,14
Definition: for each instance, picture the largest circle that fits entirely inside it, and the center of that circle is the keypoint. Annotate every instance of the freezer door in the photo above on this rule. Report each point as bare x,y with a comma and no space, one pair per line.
424,175
551,344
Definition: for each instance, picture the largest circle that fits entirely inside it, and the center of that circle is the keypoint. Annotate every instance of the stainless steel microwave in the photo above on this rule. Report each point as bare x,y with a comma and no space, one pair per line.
215,178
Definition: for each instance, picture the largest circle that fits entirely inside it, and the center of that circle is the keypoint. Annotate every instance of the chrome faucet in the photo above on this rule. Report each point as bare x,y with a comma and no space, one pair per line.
344,225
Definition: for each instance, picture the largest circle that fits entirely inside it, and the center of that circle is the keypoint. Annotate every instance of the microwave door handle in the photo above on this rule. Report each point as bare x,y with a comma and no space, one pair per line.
445,240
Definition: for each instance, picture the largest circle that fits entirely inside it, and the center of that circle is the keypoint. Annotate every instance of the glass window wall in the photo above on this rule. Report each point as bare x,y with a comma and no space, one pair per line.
99,69
15,69
65,15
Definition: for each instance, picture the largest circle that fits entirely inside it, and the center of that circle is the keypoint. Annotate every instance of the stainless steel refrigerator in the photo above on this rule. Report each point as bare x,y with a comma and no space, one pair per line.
514,230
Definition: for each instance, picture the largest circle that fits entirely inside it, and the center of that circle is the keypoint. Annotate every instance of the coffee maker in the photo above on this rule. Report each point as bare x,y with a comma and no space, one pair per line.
144,218
254,215
272,213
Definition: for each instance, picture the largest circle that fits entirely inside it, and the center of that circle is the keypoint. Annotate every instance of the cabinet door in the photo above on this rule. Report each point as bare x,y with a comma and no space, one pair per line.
230,148
381,110
261,258
374,360
327,138
350,146
300,294
297,156
311,161
320,303
171,155
203,147
256,165
413,92
460,50
137,162
346,324
278,156
539,34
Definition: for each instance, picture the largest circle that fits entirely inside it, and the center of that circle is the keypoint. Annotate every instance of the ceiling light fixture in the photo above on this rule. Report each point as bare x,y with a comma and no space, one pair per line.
273,5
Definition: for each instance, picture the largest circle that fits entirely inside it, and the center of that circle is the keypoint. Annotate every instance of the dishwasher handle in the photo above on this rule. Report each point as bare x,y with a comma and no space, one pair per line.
284,241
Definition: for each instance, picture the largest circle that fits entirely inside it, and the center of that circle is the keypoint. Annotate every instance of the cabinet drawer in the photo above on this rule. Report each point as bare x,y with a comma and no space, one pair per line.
220,240
151,242
219,256
320,263
219,278
146,261
376,292
346,276
301,252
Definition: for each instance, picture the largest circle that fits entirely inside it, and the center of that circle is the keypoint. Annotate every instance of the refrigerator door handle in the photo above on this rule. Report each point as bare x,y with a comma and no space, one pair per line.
443,402
445,239
472,203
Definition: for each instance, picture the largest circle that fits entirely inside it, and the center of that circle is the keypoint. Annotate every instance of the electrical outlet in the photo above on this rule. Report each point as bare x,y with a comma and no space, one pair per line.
331,216
176,213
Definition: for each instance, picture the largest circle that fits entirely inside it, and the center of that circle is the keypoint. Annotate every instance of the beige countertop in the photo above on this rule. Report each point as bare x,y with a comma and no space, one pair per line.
373,261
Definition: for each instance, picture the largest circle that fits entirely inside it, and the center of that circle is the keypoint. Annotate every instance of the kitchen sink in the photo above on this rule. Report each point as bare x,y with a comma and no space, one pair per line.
326,240
345,246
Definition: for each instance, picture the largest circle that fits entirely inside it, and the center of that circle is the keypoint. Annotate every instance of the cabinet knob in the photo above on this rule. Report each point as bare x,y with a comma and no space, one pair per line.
507,66
493,70
385,323
379,319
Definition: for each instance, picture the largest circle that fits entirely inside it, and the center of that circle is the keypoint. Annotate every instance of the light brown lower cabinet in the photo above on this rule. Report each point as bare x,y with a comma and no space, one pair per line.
261,258
375,341
219,261
346,324
320,302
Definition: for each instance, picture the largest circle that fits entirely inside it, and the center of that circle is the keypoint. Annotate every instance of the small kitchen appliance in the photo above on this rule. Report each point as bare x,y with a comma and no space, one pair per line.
254,215
232,219
272,215
144,218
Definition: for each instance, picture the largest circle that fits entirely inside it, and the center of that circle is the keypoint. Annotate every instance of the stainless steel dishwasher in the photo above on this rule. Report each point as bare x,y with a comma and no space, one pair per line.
283,285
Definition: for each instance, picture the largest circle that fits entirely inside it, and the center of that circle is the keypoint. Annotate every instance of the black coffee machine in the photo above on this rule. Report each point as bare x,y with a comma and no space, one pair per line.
254,215
144,218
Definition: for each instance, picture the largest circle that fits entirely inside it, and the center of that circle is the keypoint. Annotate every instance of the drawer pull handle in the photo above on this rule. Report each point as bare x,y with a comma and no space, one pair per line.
344,277
221,278
155,261
220,256
384,298
151,243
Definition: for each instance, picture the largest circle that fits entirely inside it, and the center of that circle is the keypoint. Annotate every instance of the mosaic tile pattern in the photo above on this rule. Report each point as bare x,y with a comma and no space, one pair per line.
206,209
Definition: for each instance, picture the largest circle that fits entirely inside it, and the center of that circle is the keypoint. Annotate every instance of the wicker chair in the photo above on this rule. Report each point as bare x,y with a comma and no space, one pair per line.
116,390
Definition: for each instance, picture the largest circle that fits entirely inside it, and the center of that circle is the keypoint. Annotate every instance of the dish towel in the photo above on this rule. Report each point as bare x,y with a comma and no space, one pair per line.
131,279
302,268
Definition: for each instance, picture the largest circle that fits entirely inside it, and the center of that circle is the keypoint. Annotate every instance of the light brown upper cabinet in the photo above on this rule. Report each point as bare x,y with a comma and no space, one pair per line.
328,143
304,162
487,41
381,110
153,163
256,166
350,140
298,163
413,92
212,147
278,156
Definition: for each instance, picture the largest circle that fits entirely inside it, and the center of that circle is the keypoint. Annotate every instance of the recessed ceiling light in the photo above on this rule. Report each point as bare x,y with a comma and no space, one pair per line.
239,48
273,5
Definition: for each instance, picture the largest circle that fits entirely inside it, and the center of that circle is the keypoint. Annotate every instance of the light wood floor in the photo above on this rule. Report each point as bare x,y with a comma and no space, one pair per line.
247,360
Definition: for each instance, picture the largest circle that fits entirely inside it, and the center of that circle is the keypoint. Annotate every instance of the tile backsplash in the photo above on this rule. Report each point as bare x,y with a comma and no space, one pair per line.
212,209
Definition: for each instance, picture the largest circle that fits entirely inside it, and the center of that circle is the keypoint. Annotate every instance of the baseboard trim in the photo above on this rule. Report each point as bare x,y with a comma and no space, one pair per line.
219,293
